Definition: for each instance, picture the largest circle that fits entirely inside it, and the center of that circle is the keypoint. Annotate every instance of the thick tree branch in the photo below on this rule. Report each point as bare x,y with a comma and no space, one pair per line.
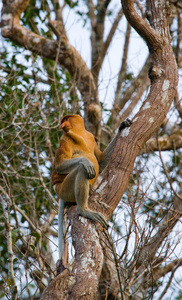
162,271
179,38
165,143
152,38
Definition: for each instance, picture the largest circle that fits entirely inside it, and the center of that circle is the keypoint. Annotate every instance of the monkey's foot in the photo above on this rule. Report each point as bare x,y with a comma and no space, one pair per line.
94,216
59,267
102,220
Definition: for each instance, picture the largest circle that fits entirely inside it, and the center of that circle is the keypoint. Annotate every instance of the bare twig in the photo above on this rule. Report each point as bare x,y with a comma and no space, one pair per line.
167,175
42,181
116,262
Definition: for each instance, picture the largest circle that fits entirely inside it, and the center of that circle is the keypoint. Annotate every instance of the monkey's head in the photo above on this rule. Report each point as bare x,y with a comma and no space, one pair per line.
72,122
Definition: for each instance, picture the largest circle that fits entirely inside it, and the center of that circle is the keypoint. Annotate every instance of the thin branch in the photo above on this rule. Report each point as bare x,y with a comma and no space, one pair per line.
45,121
24,75
92,20
151,246
28,220
116,262
5,206
134,101
42,180
178,105
167,175
122,71
121,75
111,33
128,94
48,221
98,40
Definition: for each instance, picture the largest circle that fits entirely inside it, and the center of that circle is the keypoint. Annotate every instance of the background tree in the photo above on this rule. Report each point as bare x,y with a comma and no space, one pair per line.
44,77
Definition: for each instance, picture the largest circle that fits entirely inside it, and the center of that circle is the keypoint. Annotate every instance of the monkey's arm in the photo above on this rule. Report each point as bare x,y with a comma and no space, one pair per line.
67,165
106,154
78,139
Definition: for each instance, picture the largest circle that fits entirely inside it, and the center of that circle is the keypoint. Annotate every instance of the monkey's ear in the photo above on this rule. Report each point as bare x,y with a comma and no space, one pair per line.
125,124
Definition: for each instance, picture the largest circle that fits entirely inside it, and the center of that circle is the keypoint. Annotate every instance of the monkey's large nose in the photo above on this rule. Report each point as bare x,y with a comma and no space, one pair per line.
64,124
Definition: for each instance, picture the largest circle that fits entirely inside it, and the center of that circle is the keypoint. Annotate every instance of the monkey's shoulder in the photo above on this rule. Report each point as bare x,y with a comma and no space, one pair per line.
88,136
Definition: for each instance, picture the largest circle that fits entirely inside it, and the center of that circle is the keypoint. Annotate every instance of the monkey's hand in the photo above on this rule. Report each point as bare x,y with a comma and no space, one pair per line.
125,124
89,168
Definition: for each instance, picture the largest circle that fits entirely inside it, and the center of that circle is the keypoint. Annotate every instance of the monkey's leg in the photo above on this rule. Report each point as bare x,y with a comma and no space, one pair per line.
75,187
81,195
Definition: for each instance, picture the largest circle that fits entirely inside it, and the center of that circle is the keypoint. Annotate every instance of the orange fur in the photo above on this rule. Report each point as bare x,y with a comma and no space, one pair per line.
76,142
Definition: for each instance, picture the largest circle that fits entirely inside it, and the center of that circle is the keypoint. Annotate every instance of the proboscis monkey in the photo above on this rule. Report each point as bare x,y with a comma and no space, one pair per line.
78,161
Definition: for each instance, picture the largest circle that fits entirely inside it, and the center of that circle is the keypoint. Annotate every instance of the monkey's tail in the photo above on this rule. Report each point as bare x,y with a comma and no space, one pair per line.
60,229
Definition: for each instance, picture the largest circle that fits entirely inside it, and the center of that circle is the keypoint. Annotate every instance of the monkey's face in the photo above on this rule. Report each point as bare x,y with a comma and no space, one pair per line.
72,122
65,125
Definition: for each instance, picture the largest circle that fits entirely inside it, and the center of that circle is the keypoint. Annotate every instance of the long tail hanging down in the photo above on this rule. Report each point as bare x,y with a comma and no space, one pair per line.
60,229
